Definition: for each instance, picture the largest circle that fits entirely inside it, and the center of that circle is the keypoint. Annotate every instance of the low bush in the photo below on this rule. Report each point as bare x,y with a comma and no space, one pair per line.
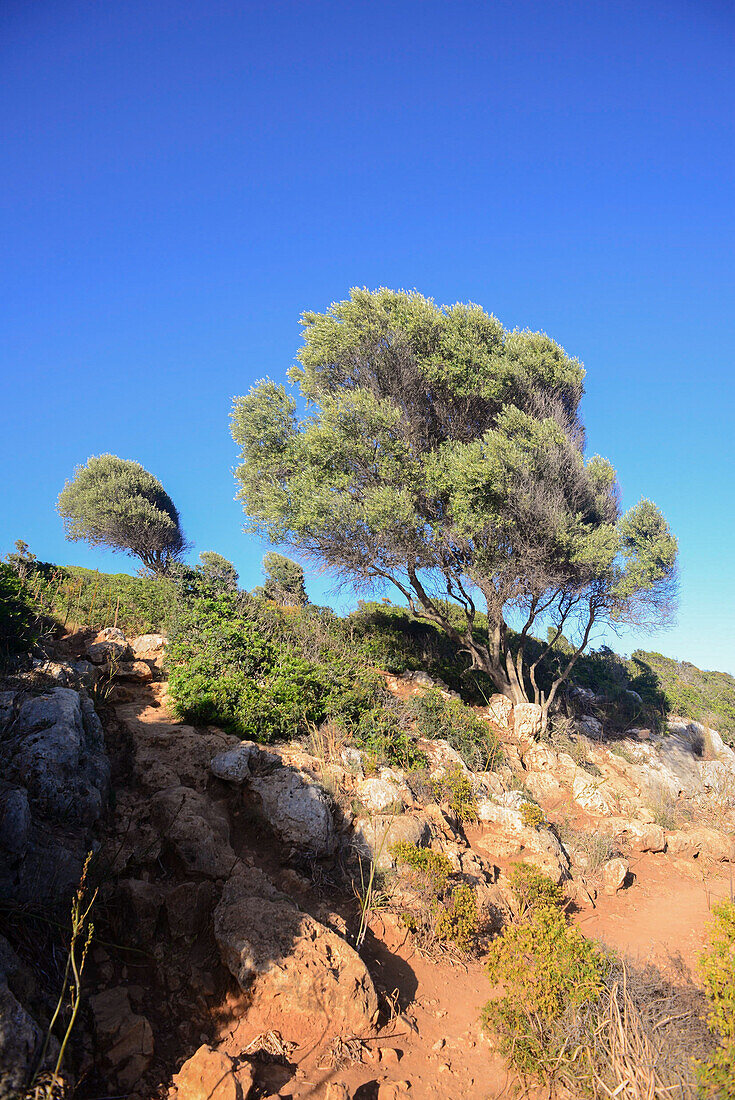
455,788
21,624
454,722
717,965
432,868
447,914
382,734
532,814
532,889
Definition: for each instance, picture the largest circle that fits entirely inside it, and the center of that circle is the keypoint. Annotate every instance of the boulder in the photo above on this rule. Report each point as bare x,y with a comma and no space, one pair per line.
591,793
591,727
55,749
143,901
195,830
188,907
614,874
124,1038
148,645
527,721
298,810
374,836
300,974
20,1041
380,795
500,711
139,672
109,652
15,819
233,765
211,1075
506,835
441,756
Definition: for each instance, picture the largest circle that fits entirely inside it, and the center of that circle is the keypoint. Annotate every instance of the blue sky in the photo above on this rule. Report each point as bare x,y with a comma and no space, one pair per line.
181,178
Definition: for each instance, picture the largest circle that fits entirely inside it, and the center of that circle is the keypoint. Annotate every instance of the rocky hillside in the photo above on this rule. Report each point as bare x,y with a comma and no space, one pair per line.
302,918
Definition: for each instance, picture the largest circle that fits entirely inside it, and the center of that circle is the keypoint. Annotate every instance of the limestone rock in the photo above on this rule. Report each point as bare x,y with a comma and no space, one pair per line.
500,711
527,720
105,652
233,765
374,836
380,795
124,1037
188,907
55,749
15,819
614,874
506,835
441,756
139,672
195,829
211,1075
298,810
148,645
592,794
20,1040
292,965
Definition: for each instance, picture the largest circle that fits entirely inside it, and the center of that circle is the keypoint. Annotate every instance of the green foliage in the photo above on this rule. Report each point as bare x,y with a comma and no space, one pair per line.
443,453
717,966
457,920
20,623
218,570
117,504
454,722
284,580
432,867
455,787
237,665
381,736
547,972
532,814
703,696
532,889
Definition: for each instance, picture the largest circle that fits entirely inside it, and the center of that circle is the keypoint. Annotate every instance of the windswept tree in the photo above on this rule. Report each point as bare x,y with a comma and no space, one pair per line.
218,570
445,454
117,504
284,580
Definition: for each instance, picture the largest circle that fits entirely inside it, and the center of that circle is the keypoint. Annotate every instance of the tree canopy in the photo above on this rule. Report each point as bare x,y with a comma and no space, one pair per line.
115,503
217,569
284,580
445,454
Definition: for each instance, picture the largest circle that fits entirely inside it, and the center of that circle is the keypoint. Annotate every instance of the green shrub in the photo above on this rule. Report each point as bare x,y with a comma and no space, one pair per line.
21,625
379,734
432,867
532,889
717,965
457,920
452,721
546,971
455,787
532,814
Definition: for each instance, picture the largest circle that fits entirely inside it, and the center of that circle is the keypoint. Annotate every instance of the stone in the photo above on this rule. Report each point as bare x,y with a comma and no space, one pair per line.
7,702
20,1041
124,1037
506,834
353,761
527,720
441,756
211,1075
233,765
55,749
111,634
188,907
144,901
109,652
337,1090
500,711
543,785
374,836
293,966
591,794
614,874
647,837
15,819
380,795
195,829
298,810
148,645
591,727
139,672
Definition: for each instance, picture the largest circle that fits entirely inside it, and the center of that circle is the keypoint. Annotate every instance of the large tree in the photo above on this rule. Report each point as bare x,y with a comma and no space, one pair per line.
115,503
445,454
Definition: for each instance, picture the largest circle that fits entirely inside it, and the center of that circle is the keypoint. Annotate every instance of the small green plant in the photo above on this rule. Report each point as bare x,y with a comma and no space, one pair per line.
532,889
452,721
457,920
546,970
432,867
455,787
532,814
717,966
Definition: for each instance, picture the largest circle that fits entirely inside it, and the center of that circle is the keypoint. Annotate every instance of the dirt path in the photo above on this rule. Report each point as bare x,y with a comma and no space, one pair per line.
431,1046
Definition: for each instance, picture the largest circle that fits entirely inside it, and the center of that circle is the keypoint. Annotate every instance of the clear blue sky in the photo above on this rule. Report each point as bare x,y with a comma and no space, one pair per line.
181,178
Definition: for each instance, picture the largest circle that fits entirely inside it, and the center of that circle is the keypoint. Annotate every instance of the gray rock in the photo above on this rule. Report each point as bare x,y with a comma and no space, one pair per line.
148,645
7,699
195,830
297,809
55,748
375,836
20,1039
233,765
100,653
15,819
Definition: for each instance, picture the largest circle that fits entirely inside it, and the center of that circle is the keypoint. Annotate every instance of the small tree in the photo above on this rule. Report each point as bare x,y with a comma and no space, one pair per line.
284,580
22,560
445,454
218,570
115,503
